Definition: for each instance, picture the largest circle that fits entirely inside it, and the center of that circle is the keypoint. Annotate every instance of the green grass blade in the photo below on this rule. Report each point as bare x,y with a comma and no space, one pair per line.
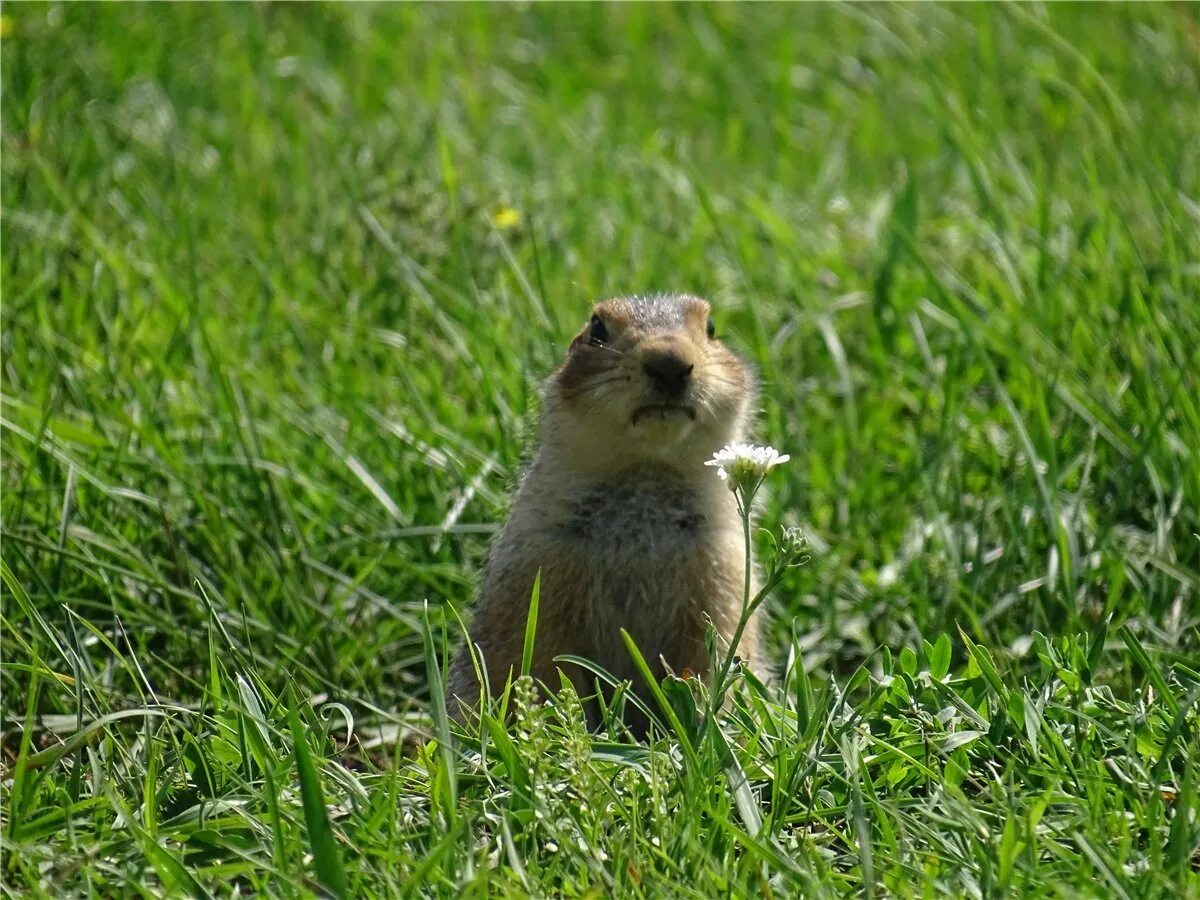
327,858
531,625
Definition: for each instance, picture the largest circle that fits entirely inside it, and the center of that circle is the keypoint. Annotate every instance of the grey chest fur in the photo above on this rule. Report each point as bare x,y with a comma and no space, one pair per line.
644,516
646,548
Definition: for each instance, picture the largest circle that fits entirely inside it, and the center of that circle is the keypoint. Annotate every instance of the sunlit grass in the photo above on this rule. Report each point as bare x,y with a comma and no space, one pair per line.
279,283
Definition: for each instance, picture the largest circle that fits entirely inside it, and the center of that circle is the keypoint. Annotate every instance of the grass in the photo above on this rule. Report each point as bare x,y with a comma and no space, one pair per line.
279,283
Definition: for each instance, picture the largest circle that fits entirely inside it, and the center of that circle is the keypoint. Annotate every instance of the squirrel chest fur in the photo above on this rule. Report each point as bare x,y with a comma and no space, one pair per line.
617,511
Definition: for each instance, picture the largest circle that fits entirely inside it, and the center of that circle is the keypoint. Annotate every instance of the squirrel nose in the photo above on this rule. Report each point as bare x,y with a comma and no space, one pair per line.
669,371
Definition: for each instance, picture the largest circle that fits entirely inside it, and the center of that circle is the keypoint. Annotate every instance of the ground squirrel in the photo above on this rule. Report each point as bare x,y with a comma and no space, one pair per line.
617,509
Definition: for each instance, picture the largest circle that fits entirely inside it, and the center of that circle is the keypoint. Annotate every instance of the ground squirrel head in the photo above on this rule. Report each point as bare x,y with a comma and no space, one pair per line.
646,380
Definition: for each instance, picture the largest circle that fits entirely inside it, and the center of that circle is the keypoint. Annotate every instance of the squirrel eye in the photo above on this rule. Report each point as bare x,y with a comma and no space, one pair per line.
597,331
711,328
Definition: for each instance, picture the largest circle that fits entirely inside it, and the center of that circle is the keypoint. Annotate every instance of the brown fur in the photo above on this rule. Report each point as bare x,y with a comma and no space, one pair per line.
617,510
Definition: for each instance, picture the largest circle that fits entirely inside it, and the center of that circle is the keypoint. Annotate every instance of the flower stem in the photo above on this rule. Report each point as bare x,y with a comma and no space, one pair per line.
749,565
720,683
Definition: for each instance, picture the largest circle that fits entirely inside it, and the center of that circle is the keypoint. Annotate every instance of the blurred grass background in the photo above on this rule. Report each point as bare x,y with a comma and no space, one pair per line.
280,281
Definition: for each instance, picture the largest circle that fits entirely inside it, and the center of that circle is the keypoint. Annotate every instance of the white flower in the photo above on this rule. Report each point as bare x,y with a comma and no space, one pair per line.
745,463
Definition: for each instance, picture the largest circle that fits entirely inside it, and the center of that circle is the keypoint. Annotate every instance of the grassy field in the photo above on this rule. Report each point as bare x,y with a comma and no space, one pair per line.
279,284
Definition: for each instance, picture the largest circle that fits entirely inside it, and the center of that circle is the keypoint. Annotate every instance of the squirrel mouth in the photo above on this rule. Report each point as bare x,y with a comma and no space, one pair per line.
663,412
